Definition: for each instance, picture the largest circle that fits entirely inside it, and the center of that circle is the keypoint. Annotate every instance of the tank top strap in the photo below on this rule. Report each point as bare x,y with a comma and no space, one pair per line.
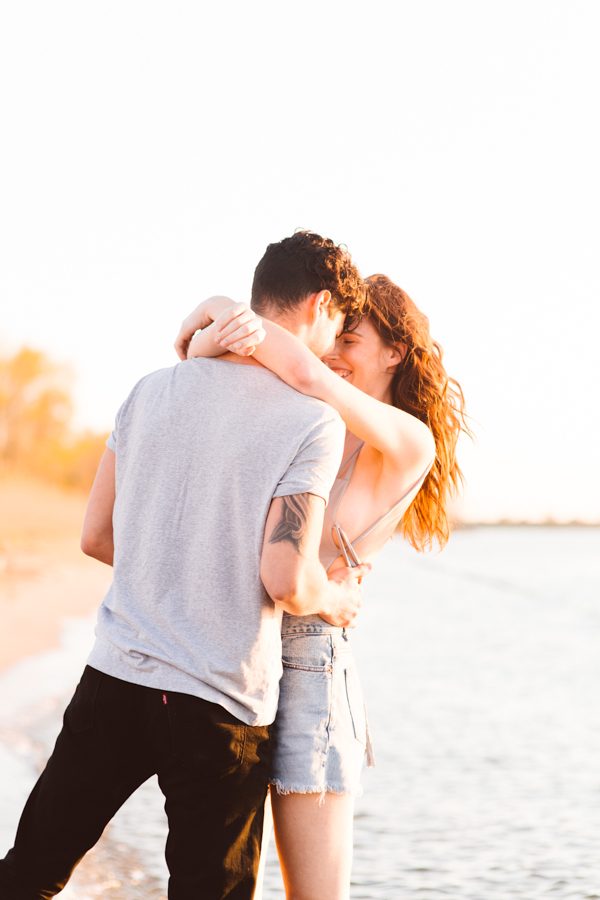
347,465
343,480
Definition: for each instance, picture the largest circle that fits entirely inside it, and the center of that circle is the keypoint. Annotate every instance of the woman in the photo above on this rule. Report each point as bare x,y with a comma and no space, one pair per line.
403,416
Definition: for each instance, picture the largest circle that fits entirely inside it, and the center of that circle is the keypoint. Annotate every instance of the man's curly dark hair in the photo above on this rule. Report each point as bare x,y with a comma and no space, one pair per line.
304,264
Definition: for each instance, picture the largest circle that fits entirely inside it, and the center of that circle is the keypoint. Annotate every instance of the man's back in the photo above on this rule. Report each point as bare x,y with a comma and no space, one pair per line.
201,450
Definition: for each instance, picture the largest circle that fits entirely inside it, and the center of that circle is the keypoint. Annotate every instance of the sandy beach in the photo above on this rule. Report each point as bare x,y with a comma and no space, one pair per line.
44,576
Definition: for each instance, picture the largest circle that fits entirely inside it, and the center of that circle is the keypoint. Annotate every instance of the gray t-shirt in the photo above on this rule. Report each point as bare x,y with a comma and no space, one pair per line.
201,450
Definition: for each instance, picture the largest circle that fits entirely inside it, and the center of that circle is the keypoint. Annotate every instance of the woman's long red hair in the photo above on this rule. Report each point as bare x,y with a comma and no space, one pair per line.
421,386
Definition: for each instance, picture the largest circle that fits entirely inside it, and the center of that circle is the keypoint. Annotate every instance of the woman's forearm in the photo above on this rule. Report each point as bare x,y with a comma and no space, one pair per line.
400,437
204,344
289,358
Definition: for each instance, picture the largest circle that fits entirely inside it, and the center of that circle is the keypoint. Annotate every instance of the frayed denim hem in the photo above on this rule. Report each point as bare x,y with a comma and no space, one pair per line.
284,790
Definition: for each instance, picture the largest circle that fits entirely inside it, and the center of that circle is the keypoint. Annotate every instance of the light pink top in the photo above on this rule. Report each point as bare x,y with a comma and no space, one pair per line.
384,526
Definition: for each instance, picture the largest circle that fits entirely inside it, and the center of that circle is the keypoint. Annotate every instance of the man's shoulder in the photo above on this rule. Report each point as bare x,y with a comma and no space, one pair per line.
321,411
255,383
154,375
271,386
312,409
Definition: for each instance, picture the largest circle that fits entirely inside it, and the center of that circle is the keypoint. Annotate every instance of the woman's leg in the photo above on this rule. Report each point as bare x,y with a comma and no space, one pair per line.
314,842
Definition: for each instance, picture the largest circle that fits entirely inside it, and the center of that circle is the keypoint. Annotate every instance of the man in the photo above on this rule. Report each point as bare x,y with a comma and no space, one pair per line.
209,503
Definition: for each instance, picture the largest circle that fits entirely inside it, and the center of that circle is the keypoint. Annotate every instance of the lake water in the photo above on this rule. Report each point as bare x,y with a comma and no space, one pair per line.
481,669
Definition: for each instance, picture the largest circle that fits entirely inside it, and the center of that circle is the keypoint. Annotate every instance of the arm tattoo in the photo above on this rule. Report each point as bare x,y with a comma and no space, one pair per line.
292,525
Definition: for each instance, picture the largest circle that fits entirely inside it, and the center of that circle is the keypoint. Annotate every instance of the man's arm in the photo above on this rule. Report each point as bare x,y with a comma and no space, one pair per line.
290,568
97,532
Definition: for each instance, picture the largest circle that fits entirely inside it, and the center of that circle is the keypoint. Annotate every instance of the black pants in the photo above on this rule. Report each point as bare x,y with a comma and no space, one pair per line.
212,769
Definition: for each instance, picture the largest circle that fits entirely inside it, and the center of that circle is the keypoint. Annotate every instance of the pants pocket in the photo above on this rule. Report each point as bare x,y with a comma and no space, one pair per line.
80,713
206,737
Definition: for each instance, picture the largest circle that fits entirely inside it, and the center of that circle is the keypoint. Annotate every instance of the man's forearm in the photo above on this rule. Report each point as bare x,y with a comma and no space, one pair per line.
314,594
103,551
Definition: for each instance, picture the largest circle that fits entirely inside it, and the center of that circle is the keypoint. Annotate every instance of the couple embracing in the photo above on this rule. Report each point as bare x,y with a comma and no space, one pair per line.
240,497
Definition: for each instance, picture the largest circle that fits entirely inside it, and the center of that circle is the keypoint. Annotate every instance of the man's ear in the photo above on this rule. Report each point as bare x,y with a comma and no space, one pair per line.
319,303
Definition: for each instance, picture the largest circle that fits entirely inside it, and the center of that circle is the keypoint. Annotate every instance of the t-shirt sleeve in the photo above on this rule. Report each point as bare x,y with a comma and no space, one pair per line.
113,438
313,469
111,441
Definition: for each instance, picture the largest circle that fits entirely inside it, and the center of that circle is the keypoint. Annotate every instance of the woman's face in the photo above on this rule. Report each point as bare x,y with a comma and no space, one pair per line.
361,357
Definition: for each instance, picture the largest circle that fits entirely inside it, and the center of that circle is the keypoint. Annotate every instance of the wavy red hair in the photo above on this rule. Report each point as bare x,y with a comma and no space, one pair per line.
422,387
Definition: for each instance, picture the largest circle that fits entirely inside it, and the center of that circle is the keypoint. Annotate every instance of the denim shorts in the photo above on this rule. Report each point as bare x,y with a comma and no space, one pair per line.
320,734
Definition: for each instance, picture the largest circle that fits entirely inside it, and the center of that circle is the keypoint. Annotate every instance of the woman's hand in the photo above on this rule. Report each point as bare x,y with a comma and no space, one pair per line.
225,325
204,314
350,601
239,330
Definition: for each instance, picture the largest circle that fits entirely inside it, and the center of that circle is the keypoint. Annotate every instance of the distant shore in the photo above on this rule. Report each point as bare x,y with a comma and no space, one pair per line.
522,523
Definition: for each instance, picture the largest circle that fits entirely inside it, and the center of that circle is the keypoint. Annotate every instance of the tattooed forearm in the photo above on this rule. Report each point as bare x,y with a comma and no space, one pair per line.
292,524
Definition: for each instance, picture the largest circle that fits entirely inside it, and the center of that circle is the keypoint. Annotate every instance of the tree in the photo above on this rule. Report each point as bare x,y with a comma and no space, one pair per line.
35,421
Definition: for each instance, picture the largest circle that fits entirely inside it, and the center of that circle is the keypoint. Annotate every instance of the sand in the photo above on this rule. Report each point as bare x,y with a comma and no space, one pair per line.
44,576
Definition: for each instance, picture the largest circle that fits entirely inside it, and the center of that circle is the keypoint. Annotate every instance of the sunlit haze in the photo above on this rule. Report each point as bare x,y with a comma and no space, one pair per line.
151,151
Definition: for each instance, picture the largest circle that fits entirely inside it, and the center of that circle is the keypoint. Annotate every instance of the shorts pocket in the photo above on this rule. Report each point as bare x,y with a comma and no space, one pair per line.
80,713
290,665
308,652
356,705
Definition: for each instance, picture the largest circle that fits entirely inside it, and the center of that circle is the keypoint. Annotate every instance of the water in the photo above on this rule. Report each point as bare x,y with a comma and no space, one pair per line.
481,668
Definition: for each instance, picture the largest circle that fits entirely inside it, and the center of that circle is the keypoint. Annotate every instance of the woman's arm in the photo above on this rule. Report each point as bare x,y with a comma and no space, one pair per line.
211,316
405,442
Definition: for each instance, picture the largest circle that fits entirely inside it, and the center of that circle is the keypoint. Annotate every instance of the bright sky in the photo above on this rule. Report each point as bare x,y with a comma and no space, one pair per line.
152,150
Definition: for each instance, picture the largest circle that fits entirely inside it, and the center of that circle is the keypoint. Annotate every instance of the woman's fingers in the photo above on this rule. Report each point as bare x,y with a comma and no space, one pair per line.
198,318
188,329
182,342
239,330
231,322
246,345
231,319
244,331
350,573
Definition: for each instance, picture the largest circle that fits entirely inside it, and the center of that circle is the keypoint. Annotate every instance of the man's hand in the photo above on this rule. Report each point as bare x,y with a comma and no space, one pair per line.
348,598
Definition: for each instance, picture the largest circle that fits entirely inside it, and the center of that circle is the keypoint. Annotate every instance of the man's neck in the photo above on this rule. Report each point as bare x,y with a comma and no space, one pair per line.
291,323
240,360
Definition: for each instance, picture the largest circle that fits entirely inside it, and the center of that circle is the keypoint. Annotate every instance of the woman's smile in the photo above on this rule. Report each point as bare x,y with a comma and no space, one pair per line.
343,373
